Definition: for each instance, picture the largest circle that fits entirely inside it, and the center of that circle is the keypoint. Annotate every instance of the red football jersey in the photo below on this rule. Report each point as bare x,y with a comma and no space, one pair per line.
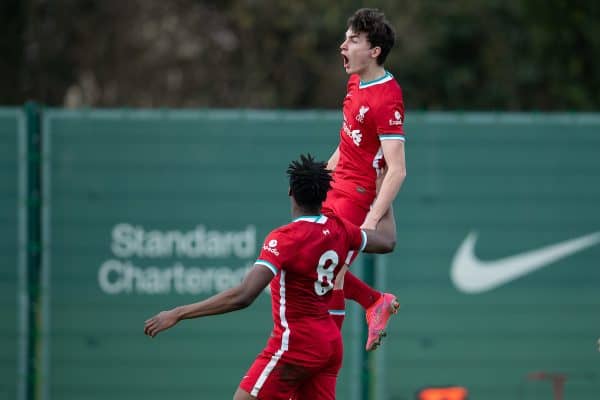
373,111
305,256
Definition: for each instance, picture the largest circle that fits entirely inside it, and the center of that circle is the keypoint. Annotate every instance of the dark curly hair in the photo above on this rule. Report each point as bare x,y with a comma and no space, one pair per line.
310,181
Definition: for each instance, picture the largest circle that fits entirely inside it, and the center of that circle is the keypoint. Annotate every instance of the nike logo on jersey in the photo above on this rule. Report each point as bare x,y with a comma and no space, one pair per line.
472,275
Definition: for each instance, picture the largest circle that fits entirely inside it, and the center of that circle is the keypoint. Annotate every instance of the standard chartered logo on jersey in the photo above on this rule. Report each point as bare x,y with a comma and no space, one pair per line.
134,248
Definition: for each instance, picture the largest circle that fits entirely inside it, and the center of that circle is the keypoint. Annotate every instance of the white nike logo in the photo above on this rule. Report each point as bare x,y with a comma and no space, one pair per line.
472,275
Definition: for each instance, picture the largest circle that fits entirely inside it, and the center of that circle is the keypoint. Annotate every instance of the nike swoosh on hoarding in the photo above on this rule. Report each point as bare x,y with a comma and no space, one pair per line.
472,275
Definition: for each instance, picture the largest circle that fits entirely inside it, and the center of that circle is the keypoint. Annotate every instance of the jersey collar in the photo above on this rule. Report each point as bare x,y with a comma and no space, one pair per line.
318,219
386,77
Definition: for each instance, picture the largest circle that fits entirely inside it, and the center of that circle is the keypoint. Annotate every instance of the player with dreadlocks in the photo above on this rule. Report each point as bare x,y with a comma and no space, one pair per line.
300,260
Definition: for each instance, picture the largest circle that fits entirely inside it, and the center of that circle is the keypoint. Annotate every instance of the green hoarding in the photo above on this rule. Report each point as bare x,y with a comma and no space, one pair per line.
487,302
147,210
12,257
496,264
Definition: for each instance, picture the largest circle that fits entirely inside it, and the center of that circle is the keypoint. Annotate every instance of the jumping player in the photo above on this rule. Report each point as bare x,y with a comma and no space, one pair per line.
369,164
300,260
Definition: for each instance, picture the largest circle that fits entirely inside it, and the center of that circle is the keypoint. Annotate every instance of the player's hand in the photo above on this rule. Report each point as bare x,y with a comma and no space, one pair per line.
369,224
160,322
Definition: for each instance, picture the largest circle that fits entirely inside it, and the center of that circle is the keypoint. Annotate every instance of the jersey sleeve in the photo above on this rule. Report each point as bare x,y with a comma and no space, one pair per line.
389,118
273,252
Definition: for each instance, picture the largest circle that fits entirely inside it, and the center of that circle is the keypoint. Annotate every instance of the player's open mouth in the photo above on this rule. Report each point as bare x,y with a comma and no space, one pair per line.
346,61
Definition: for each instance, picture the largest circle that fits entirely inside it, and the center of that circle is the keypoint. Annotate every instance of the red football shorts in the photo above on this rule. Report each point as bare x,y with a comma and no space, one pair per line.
346,207
272,377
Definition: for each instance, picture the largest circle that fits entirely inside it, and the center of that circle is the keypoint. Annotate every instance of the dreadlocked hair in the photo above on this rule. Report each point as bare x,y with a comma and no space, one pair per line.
309,181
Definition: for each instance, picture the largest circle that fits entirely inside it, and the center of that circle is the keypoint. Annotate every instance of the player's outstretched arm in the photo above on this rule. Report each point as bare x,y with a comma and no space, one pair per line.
229,300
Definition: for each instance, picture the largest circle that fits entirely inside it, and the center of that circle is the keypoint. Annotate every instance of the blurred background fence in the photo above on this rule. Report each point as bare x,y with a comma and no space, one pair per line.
143,210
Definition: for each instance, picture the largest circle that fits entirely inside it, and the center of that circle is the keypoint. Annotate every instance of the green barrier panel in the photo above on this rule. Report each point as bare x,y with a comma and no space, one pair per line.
12,257
147,210
477,317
